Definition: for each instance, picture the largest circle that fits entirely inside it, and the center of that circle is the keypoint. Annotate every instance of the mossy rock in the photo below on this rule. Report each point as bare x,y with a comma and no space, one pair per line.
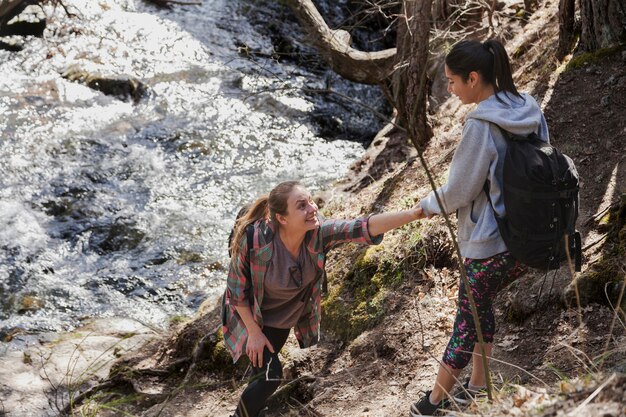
122,235
187,256
606,276
361,287
122,87
357,301
588,58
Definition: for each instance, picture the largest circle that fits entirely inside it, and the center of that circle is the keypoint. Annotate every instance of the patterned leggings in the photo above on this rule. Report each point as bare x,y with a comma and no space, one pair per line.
486,278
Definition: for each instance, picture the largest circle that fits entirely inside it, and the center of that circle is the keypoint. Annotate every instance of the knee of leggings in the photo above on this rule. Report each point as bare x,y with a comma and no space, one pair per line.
456,361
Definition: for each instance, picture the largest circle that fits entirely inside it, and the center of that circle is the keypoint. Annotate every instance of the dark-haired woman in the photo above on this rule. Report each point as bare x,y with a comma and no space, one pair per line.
275,285
478,73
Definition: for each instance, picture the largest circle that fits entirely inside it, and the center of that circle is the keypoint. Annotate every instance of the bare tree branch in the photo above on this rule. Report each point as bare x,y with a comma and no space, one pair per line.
334,46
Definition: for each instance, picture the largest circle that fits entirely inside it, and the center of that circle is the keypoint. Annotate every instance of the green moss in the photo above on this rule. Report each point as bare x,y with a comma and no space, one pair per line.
588,58
606,275
178,319
357,299
359,287
220,361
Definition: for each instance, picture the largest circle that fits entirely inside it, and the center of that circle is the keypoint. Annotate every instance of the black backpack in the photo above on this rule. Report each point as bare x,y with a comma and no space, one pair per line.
540,191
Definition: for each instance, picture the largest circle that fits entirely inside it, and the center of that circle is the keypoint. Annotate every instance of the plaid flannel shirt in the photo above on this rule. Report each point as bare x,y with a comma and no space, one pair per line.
241,292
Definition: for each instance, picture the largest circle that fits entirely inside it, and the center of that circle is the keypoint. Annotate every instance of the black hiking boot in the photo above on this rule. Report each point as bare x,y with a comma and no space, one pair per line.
464,396
424,407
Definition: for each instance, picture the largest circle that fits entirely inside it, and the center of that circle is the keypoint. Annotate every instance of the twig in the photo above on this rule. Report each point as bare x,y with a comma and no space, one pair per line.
520,369
615,317
601,213
67,12
464,278
350,99
595,242
592,396
541,290
573,274
574,350
306,408
68,409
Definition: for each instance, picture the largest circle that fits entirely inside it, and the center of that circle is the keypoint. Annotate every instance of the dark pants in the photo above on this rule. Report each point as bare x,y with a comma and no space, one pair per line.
266,379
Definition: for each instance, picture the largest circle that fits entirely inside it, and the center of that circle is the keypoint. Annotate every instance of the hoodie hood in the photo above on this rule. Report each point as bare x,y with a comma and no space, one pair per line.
516,115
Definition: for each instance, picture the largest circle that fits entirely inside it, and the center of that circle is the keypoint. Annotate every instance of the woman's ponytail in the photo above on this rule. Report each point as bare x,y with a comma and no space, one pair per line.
258,210
502,74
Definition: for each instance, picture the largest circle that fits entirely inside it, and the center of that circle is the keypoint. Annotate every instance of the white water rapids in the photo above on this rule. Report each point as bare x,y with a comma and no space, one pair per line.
110,208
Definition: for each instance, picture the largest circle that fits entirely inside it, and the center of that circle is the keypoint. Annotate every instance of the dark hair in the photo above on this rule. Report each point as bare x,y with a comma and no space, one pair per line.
265,207
488,58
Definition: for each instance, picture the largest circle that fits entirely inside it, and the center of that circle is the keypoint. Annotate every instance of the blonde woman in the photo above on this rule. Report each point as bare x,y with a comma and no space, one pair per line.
275,285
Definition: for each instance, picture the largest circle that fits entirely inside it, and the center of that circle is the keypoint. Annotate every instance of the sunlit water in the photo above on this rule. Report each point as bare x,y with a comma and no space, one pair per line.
109,208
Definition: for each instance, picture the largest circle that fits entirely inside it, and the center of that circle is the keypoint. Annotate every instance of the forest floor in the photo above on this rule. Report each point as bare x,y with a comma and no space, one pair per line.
548,357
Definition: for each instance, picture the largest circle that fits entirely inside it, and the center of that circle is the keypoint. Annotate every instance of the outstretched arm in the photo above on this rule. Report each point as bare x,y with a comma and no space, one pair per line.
365,230
383,222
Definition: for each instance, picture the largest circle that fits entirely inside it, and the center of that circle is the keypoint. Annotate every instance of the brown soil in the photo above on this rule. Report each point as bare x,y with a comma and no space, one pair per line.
542,344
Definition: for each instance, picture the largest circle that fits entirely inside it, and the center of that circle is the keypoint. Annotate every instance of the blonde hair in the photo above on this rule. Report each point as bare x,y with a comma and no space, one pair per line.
265,207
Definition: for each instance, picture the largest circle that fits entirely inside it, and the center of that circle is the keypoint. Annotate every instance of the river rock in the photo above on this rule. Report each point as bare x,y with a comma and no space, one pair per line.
56,365
30,303
123,87
123,235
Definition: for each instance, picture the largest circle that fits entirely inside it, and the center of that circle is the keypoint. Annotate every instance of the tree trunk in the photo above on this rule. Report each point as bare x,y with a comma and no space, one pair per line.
334,46
566,27
406,68
443,9
409,82
460,14
528,7
602,23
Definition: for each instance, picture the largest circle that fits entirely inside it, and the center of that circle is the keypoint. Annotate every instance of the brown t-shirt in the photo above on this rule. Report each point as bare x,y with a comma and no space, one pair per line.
287,285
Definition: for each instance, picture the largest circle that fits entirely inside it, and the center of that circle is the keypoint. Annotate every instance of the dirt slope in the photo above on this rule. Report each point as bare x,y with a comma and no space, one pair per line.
541,344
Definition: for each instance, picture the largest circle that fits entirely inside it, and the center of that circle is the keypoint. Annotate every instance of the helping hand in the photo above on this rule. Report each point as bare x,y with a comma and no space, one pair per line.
421,214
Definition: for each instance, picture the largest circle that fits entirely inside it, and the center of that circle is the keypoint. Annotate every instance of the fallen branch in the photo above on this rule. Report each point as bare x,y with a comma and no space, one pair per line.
601,213
577,411
595,242
615,315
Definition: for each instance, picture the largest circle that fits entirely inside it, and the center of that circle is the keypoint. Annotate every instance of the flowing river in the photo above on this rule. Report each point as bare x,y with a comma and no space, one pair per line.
111,207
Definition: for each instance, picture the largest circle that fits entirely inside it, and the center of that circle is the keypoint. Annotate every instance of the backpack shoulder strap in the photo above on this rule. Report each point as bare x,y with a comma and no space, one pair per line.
250,239
508,136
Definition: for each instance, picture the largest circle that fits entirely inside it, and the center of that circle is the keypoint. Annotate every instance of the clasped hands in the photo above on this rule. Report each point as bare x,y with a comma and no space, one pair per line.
421,214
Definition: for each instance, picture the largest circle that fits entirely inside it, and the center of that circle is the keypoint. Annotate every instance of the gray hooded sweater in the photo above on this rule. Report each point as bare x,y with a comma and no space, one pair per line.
478,157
